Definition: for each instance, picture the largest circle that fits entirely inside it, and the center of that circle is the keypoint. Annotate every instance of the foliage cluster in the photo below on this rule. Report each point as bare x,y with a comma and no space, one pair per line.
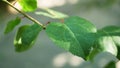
74,34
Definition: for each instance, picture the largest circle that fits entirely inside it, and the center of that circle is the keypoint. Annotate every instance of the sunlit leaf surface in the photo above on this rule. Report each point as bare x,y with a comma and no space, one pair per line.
73,36
28,5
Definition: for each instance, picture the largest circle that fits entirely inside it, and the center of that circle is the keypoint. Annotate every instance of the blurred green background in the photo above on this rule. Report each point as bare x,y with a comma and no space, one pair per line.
45,54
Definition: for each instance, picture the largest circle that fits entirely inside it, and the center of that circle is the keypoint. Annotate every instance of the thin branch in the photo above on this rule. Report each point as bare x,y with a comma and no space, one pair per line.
26,15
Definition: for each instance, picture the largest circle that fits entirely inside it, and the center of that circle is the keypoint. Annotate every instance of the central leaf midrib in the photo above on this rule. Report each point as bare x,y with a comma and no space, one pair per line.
75,38
81,35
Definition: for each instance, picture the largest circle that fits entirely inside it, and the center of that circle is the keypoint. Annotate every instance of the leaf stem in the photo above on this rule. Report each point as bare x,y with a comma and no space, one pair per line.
26,15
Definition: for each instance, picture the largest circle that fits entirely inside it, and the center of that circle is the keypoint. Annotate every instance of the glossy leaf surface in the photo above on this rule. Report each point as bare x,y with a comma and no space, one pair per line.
19,47
28,5
73,36
26,36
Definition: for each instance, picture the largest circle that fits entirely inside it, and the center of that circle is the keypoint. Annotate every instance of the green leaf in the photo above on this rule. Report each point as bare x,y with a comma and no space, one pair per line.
44,14
112,64
28,5
118,55
30,34
109,39
26,36
12,24
52,14
107,44
76,35
17,41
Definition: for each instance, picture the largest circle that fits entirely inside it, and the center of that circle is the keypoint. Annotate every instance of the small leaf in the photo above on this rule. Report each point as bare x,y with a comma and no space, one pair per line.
109,39
28,5
11,25
76,35
26,36
52,14
45,14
